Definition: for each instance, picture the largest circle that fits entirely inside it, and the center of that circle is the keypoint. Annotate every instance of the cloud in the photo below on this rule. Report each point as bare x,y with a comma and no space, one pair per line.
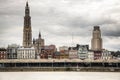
59,19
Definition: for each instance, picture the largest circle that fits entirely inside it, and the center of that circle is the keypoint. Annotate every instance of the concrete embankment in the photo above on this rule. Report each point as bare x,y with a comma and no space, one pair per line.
81,69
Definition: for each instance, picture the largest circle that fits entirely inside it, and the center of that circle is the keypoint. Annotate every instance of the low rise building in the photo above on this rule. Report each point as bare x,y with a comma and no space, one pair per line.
90,55
26,53
117,55
47,52
63,48
64,54
97,55
56,55
82,51
3,53
73,54
106,55
12,51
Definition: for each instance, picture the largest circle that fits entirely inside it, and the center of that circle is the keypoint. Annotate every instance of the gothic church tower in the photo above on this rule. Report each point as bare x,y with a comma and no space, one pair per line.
27,31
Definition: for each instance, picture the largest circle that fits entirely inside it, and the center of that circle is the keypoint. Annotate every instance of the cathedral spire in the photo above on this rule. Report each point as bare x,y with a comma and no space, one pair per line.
39,34
27,31
27,10
27,4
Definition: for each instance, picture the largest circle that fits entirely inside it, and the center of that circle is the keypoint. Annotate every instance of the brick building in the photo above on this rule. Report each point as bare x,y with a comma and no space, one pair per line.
47,52
3,53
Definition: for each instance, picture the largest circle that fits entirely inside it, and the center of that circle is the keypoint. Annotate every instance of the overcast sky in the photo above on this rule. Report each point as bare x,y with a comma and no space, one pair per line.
59,19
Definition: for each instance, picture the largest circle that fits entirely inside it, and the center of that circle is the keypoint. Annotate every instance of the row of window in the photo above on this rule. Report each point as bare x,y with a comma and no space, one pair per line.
26,57
2,52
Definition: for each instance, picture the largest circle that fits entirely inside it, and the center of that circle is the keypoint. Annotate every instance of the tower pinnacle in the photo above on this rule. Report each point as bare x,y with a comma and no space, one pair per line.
27,3
39,34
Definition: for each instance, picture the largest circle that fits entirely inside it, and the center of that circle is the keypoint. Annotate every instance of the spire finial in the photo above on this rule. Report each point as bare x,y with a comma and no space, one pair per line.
27,3
39,34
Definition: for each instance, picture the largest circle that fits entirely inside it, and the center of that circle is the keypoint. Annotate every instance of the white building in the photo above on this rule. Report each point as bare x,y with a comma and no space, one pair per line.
90,55
106,55
83,52
26,53
73,54
63,48
12,51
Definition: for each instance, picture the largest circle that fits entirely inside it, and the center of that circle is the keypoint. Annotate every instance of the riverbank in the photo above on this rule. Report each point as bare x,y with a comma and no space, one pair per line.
58,69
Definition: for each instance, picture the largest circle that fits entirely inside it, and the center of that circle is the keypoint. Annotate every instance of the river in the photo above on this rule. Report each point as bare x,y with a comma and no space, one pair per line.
59,75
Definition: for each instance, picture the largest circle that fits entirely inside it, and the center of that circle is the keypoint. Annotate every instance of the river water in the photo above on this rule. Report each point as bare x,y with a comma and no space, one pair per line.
59,75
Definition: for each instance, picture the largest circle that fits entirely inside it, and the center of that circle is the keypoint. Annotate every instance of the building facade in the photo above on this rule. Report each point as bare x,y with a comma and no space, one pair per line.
64,54
83,51
117,55
90,55
47,52
63,48
38,45
97,55
27,30
26,53
56,55
73,54
106,55
12,51
3,53
96,42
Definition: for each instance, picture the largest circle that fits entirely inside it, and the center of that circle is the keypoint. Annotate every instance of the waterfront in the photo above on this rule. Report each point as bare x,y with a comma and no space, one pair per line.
59,75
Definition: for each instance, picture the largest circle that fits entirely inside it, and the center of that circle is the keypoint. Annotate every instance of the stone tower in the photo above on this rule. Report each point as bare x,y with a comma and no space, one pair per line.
27,31
96,42
38,45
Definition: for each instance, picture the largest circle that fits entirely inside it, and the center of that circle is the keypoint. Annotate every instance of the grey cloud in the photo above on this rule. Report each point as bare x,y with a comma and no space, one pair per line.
112,33
60,18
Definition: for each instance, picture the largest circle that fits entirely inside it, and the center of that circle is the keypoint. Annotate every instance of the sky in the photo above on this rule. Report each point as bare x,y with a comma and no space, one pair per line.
62,22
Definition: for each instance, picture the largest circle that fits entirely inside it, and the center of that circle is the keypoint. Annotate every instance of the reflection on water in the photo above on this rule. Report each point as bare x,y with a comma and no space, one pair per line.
59,76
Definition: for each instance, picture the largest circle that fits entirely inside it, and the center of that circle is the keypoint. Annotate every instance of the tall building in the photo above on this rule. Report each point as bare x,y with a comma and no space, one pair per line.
27,31
96,42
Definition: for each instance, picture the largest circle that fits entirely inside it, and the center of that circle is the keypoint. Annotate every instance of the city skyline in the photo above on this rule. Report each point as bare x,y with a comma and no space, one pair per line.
58,23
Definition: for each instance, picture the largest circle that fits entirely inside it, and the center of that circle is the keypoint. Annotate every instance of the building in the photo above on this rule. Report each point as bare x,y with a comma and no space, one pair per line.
73,54
64,54
90,55
3,53
38,45
26,53
106,55
63,48
47,52
56,55
12,51
27,30
118,55
96,42
97,55
82,51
